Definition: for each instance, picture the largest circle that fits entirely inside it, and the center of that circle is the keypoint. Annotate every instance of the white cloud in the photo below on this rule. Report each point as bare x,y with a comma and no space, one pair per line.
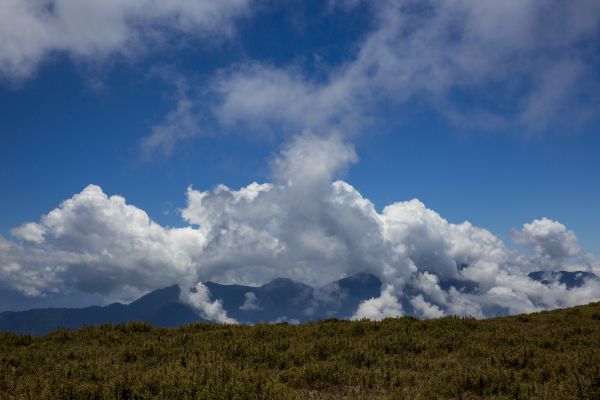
537,68
310,160
306,226
199,298
30,232
426,309
552,243
385,306
34,30
97,244
266,97
250,302
458,57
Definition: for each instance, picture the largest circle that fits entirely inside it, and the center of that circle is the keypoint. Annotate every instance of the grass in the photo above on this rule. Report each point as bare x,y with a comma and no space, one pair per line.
548,355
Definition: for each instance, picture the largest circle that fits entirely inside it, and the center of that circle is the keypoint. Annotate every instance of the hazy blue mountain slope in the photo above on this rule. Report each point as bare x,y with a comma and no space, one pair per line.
160,307
279,300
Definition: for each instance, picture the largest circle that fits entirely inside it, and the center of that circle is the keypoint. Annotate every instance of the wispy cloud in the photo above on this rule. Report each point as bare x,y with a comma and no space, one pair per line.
488,64
32,31
525,65
182,123
522,64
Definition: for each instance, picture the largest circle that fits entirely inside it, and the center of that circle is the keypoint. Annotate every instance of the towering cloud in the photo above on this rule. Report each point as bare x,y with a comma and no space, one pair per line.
305,225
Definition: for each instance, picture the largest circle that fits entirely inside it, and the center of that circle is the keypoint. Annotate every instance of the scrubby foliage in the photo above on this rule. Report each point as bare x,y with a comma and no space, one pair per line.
549,355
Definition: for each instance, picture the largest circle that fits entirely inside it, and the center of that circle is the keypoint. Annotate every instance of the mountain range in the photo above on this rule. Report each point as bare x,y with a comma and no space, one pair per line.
281,300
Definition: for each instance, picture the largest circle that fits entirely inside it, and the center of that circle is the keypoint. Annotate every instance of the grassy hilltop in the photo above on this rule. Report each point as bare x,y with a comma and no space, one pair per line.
548,355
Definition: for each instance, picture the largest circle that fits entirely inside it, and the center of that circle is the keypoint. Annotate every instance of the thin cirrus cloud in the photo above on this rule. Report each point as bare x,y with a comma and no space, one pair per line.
34,30
304,225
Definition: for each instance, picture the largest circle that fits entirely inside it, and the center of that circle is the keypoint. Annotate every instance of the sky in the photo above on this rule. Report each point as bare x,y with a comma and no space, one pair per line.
145,143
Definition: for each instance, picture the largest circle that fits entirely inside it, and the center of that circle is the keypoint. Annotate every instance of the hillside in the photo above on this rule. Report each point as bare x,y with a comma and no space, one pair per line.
548,355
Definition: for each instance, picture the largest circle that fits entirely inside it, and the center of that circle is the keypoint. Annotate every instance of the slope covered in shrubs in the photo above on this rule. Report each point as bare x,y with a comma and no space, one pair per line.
548,355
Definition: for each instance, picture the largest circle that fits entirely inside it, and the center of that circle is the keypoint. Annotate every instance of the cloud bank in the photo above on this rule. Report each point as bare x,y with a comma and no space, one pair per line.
304,225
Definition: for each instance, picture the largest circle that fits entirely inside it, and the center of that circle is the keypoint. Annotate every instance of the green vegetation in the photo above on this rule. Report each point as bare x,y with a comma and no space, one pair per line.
549,355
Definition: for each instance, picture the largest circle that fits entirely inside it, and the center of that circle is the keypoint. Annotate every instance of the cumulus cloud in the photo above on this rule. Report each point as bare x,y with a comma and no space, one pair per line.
550,240
33,30
30,232
98,244
304,225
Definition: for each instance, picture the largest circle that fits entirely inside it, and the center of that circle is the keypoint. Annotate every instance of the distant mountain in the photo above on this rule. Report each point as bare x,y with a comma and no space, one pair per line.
571,279
281,300
278,300
160,307
287,300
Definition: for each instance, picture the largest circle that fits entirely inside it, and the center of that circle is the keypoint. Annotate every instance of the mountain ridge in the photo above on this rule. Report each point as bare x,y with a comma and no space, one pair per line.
280,300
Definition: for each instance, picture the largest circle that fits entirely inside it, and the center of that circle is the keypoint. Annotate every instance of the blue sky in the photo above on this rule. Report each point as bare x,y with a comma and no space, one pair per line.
485,113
